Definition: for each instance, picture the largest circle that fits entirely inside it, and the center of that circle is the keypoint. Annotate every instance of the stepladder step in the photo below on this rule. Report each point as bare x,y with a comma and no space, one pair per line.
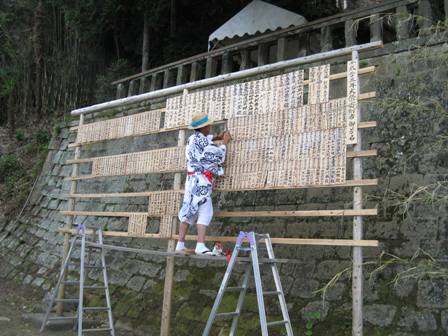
275,323
227,315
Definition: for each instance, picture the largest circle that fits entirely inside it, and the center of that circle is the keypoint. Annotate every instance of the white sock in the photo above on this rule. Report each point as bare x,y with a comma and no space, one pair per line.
180,246
200,247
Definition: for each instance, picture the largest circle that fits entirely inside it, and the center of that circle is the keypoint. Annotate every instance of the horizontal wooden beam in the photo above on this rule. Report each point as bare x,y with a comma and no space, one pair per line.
367,95
367,124
228,239
240,214
112,233
297,241
362,124
363,153
128,194
350,154
298,213
349,183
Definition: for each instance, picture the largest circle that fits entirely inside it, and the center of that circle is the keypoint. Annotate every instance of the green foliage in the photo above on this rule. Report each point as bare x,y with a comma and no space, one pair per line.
104,89
9,166
43,137
311,319
20,135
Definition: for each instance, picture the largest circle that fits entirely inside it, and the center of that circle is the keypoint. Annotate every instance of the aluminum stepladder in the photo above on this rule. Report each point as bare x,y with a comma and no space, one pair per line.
253,265
80,239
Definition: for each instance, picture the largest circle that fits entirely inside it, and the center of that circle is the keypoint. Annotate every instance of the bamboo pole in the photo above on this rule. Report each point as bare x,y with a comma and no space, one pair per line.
169,269
357,290
69,221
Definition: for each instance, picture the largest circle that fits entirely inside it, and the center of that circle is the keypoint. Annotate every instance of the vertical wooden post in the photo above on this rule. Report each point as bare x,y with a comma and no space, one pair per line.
120,91
226,63
210,67
69,219
326,39
169,269
357,279
194,74
402,23
262,54
244,59
350,34
376,28
281,49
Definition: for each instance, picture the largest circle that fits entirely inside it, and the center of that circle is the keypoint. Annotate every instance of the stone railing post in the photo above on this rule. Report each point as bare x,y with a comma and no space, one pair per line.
446,8
262,54
166,78
152,85
244,59
210,67
194,73
131,88
143,85
402,23
180,78
303,41
350,33
326,39
120,91
424,18
226,64
281,49
376,28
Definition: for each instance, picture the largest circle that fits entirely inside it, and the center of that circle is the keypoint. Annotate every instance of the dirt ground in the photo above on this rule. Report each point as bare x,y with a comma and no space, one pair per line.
18,300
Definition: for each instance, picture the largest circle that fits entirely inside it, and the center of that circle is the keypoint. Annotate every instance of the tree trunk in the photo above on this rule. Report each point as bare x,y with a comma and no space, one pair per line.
11,115
145,47
38,49
173,19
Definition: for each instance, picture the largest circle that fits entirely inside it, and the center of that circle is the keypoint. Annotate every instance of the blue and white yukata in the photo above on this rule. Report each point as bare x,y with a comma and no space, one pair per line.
204,162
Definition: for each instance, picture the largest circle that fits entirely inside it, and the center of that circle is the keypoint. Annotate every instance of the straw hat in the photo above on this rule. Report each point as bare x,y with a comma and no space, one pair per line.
200,120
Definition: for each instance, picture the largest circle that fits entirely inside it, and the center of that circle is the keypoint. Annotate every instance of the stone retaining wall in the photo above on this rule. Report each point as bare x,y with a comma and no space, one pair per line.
31,248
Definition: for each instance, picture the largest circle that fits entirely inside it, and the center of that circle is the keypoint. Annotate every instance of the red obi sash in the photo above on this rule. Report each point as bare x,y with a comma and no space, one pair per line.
208,174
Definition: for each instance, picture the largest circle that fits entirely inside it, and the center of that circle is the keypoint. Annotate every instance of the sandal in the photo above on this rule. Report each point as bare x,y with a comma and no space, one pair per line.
205,252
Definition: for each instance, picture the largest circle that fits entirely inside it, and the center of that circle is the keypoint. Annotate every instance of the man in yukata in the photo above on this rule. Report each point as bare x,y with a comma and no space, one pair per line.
204,164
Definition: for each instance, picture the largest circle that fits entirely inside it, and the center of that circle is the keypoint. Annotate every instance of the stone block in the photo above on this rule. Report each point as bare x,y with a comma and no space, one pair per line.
432,294
404,287
38,282
304,288
424,320
149,269
444,320
329,268
379,314
181,275
136,283
53,204
119,278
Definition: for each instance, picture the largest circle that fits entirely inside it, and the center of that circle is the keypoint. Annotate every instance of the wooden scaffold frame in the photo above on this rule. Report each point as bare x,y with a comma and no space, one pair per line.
240,115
